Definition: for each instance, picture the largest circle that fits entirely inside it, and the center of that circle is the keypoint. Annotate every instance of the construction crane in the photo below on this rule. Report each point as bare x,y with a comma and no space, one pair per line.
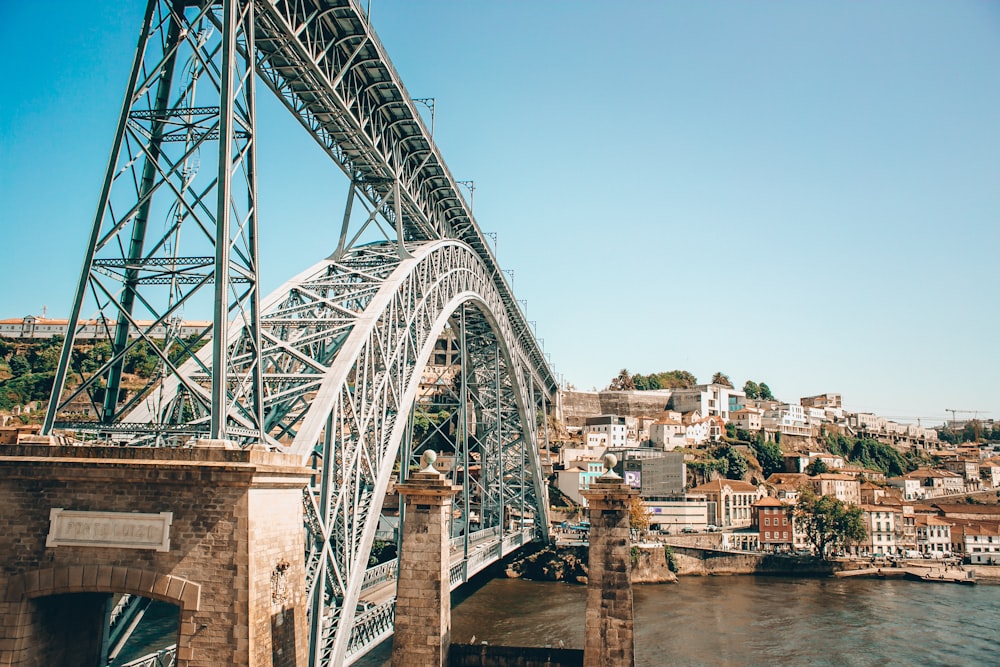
974,413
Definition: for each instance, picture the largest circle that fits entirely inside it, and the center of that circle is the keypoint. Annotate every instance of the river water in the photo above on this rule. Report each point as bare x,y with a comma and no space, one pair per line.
744,620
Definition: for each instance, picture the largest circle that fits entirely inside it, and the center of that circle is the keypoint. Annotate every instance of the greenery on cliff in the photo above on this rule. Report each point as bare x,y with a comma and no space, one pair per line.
28,367
872,454
675,379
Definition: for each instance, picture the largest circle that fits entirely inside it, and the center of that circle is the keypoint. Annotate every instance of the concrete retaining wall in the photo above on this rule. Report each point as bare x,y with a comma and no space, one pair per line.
711,562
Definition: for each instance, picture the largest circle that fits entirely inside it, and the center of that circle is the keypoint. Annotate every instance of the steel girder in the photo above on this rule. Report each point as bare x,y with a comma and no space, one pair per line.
357,419
176,225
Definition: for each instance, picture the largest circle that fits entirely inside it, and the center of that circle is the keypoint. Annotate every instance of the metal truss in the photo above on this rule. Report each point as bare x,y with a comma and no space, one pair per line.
357,420
176,225
330,365
343,349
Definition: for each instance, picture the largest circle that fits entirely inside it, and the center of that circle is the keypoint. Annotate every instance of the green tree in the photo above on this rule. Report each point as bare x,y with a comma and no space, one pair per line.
817,467
622,382
765,392
722,378
973,431
751,389
19,365
731,430
677,379
827,522
646,382
769,456
736,463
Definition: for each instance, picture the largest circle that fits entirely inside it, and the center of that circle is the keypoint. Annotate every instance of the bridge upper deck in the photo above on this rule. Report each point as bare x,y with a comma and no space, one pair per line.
324,61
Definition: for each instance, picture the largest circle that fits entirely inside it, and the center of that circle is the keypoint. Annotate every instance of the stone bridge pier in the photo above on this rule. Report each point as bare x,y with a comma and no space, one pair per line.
215,531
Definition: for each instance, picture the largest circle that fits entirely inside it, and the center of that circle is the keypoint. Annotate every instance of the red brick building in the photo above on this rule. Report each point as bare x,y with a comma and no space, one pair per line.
773,519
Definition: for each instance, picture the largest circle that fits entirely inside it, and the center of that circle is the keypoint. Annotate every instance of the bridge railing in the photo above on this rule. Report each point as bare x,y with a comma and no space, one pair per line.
163,658
371,627
380,574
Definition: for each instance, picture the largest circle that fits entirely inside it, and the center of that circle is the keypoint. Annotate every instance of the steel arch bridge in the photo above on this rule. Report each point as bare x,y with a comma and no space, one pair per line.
332,366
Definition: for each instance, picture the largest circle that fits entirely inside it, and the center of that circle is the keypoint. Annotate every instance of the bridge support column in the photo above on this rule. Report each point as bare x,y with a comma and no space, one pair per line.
608,633
215,532
423,589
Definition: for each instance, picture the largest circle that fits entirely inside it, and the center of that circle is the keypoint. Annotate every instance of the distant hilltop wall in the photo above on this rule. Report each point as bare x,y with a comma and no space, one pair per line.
578,405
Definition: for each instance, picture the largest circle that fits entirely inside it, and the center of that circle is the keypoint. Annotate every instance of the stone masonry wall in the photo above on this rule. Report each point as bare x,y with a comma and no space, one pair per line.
205,572
578,405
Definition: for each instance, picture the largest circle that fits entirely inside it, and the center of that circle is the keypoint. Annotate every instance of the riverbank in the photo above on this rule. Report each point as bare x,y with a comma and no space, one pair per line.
651,564
657,563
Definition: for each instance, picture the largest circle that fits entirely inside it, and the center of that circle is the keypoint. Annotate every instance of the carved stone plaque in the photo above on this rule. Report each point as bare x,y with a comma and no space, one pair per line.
120,530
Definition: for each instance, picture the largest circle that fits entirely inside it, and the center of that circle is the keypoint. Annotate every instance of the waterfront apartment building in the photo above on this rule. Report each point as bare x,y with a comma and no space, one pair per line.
776,524
933,535
978,543
884,526
733,499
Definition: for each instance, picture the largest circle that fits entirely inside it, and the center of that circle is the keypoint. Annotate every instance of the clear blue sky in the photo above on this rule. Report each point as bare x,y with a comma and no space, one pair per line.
801,193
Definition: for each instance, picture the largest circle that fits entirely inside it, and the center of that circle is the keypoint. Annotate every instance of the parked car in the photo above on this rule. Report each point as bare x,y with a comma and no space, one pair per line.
688,529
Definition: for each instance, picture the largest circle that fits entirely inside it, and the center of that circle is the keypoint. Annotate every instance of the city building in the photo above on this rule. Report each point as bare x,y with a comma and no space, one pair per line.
662,475
843,487
709,400
978,543
578,477
612,426
822,401
786,419
747,419
675,515
667,434
32,326
883,524
933,535
734,501
775,523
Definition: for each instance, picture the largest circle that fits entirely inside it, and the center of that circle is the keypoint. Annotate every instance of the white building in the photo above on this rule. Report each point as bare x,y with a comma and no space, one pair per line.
667,434
673,516
885,526
933,535
612,426
912,488
577,478
787,419
980,543
747,419
709,400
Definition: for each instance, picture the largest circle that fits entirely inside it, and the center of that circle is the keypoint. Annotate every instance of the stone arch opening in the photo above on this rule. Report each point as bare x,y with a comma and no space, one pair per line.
81,614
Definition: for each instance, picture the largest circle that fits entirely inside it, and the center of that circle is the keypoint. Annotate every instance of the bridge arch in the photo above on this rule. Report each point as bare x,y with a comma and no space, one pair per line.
356,422
344,345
